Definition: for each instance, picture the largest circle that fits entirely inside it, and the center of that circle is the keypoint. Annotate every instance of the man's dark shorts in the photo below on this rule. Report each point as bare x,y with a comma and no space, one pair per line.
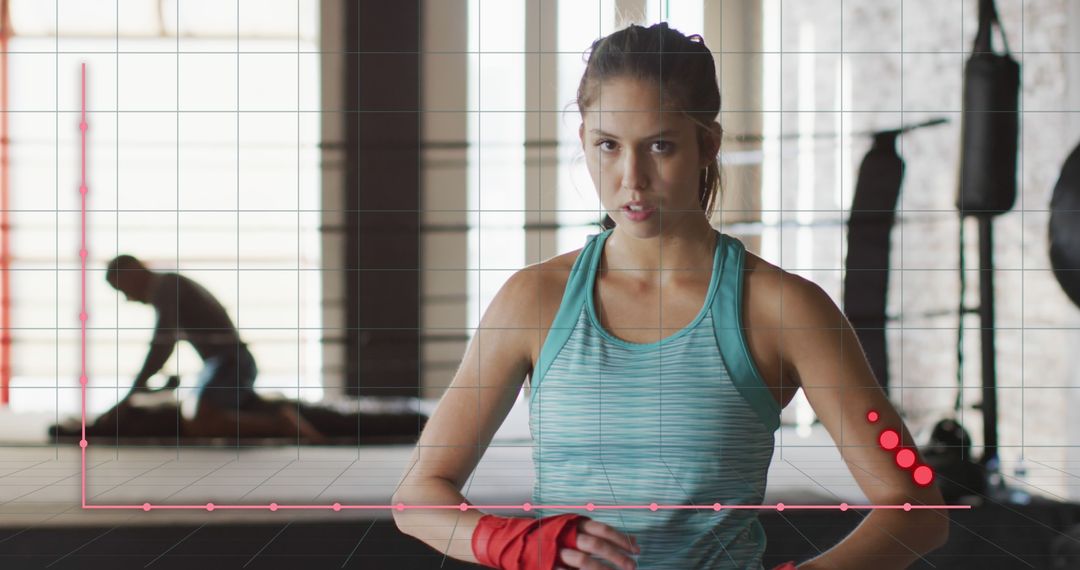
226,381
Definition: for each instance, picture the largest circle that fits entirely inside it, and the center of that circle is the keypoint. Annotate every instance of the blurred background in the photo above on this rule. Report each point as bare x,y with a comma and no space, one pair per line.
356,180
225,137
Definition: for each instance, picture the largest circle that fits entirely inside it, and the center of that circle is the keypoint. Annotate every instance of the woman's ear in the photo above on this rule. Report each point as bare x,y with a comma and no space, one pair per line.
581,133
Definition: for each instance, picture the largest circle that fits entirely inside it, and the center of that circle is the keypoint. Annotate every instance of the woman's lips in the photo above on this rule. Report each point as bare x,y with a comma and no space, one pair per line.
638,216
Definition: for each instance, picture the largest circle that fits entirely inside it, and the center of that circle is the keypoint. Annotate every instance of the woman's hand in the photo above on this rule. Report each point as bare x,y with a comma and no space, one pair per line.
604,541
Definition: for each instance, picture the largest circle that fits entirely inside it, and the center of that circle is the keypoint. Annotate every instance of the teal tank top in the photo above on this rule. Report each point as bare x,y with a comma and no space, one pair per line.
686,420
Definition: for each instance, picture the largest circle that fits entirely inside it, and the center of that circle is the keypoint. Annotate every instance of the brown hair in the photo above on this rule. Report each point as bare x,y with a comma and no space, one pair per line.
685,70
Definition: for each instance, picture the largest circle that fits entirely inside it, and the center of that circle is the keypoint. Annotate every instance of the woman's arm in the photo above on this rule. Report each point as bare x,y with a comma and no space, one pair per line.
821,351
468,415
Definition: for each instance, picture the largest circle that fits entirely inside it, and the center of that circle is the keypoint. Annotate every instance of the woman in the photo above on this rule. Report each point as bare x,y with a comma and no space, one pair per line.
659,355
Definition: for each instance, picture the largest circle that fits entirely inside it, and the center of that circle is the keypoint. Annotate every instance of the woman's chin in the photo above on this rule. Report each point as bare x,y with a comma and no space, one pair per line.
658,224
641,229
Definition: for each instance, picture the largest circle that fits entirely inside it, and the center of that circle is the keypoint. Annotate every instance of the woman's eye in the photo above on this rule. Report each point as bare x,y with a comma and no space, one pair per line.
606,145
661,147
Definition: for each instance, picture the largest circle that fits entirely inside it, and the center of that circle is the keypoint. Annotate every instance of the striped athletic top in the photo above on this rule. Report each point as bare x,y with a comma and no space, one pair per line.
686,420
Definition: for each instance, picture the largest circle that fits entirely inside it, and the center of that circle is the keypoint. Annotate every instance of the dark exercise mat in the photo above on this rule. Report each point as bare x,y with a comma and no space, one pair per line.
156,418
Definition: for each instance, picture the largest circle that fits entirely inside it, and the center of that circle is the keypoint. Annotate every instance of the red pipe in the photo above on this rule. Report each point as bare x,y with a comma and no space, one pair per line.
5,226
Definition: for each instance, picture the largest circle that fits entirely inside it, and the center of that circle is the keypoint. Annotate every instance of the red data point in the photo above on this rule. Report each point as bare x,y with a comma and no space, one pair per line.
923,475
905,458
889,439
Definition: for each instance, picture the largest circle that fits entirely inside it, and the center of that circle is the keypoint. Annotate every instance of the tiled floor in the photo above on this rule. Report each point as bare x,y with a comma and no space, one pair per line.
41,485
40,491
43,482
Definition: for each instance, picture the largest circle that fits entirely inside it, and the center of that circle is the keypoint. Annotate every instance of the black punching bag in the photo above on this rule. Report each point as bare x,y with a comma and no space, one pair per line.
990,124
866,279
1065,227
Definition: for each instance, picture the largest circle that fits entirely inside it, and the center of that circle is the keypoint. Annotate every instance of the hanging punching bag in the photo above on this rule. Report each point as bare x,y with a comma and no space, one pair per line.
1065,227
990,124
873,213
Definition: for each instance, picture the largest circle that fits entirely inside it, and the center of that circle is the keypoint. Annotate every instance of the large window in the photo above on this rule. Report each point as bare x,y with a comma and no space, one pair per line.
496,136
203,131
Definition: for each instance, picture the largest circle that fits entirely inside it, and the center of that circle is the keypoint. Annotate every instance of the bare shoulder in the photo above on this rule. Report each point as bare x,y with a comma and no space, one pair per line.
771,291
529,300
775,301
534,285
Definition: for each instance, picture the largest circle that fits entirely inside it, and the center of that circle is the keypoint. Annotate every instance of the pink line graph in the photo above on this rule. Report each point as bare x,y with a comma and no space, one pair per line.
209,507
82,281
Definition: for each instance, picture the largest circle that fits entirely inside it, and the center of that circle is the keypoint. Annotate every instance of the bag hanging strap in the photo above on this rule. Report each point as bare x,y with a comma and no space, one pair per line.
988,16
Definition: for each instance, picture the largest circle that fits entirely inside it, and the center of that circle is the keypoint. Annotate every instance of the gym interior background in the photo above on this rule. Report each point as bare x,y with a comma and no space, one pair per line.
355,181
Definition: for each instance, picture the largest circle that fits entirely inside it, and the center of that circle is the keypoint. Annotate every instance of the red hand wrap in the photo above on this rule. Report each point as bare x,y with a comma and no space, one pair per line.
786,566
512,543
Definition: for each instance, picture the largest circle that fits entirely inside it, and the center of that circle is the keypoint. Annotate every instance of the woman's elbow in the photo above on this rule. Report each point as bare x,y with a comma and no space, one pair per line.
399,520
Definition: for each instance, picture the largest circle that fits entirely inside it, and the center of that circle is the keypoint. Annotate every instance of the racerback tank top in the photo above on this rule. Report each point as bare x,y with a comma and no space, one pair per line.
686,420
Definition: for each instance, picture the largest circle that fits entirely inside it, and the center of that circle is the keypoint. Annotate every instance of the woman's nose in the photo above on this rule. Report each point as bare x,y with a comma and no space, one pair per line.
634,171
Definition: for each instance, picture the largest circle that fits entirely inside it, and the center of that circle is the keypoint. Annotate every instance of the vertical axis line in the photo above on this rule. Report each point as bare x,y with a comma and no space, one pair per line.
82,284
239,305
176,332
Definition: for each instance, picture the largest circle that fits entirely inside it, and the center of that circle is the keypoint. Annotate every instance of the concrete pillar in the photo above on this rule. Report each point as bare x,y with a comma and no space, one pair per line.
443,191
733,31
541,129
630,12
332,153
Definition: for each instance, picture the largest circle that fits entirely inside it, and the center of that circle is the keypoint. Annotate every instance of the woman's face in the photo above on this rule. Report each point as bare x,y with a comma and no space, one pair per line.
641,156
